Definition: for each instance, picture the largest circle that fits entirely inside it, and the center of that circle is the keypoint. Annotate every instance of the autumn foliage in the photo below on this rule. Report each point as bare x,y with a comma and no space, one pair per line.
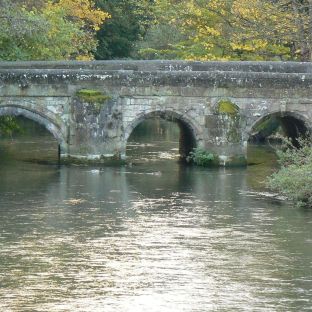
161,29
49,30
234,29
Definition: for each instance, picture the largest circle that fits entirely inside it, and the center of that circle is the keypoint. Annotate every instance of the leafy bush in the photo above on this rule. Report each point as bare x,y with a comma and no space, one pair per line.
201,157
8,125
294,178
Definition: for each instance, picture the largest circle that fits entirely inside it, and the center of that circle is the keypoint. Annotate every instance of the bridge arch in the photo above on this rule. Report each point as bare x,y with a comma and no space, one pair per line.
190,134
47,122
294,123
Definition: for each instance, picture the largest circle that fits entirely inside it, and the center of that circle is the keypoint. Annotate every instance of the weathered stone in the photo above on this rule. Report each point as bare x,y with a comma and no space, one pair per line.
95,129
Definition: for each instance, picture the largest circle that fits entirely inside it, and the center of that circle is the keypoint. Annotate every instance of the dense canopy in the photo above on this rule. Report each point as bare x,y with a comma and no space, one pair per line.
149,29
232,29
49,30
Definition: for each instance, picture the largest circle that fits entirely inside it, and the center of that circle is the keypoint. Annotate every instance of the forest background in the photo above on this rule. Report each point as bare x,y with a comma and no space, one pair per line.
156,29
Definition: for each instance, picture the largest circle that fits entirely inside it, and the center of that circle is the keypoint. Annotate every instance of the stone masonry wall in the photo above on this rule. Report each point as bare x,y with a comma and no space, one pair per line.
185,91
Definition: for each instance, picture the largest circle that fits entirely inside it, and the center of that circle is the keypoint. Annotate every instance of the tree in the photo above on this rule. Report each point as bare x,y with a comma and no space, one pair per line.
283,28
239,29
161,42
49,30
128,23
201,25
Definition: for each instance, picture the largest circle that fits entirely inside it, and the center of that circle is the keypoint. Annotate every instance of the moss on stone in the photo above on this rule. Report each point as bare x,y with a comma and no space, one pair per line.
233,133
227,107
229,118
94,97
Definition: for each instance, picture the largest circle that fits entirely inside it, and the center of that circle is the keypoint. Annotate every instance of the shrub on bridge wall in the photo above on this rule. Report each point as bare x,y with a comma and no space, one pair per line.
94,97
294,178
9,125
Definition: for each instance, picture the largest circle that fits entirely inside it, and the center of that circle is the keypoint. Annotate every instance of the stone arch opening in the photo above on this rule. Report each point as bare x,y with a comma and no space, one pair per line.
38,118
188,132
287,124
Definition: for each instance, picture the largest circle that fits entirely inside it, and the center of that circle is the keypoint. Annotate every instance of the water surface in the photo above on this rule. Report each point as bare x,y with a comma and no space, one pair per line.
151,236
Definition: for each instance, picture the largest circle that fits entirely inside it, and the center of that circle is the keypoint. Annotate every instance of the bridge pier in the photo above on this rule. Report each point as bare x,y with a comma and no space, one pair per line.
91,108
101,136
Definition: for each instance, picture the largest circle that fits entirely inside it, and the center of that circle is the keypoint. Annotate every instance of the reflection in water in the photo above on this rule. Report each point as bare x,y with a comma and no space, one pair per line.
155,236
29,141
153,140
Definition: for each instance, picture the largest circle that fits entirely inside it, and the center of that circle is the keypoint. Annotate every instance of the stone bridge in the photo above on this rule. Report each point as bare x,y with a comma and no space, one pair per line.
91,108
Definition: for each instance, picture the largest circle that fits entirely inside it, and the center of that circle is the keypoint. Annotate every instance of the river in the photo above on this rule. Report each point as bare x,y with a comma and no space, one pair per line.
154,235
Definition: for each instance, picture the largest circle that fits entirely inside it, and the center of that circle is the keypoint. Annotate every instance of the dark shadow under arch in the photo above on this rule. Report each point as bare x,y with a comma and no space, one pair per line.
45,121
188,139
293,126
